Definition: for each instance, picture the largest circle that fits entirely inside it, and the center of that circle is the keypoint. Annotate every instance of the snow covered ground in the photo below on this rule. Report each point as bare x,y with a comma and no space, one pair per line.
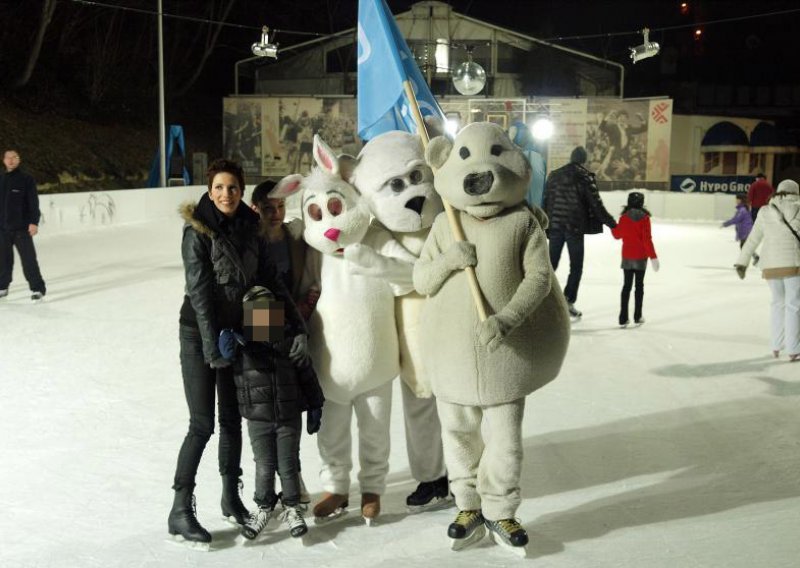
670,445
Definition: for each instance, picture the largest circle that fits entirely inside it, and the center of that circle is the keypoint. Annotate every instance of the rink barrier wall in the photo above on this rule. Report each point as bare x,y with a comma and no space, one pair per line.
75,212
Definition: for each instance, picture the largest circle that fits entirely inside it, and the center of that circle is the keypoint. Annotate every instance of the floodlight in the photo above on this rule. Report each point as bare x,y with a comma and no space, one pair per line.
542,128
264,48
647,49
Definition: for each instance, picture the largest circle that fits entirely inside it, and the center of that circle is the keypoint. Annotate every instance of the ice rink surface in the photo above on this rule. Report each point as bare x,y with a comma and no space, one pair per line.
675,444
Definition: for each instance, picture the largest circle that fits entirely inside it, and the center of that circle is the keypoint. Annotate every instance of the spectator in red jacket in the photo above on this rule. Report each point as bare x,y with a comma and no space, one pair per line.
633,228
758,194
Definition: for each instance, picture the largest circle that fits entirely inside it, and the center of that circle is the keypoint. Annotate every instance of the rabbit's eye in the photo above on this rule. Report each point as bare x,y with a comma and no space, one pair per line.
315,212
335,206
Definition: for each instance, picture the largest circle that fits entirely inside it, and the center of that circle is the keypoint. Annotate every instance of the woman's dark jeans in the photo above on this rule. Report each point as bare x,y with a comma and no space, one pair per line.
200,382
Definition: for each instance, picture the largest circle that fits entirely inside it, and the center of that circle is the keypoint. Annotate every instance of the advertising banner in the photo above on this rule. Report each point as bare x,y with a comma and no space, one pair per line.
710,184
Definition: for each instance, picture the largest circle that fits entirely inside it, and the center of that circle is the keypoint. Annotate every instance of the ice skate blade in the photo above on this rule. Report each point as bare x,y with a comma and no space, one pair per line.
457,544
338,513
520,551
190,544
370,522
435,505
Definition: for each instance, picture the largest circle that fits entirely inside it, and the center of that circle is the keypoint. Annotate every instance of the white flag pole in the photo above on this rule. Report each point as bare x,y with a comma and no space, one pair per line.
455,223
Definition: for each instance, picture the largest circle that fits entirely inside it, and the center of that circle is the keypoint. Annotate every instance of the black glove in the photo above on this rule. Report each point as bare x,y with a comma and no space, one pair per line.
313,420
220,363
298,354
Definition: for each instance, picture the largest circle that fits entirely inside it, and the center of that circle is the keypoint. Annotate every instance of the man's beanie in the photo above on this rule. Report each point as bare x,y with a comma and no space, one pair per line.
636,199
788,186
258,293
578,155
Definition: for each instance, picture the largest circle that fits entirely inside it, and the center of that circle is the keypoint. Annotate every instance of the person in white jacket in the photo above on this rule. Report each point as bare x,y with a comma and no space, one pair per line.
778,226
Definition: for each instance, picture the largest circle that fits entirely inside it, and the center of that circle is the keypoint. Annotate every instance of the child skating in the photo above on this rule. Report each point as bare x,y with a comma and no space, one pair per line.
637,246
743,221
272,393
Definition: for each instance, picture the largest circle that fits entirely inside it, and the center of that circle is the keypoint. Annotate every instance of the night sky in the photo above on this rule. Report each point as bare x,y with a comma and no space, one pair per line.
108,56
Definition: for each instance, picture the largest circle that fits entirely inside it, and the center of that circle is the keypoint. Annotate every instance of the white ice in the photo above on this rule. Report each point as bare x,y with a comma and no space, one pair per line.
676,444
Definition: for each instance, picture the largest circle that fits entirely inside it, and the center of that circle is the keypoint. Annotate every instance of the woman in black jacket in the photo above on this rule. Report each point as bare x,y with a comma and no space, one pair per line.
223,256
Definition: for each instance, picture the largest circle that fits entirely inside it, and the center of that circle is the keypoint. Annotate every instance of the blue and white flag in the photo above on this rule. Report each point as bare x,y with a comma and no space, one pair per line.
384,62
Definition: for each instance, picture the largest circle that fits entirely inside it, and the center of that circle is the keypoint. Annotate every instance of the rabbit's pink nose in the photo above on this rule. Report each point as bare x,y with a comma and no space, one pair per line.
333,234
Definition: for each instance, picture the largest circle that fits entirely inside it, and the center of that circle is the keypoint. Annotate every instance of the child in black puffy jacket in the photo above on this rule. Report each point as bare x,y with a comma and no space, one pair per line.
272,393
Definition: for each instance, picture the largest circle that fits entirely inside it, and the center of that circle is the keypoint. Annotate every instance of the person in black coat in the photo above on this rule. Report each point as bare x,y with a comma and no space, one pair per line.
223,257
19,223
272,392
574,208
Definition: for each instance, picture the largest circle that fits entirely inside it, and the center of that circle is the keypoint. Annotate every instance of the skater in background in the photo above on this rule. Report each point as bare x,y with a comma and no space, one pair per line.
272,392
743,222
777,230
19,223
574,208
222,257
633,228
758,194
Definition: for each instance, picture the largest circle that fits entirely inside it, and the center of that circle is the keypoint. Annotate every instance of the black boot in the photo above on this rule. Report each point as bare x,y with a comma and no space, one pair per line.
232,507
183,518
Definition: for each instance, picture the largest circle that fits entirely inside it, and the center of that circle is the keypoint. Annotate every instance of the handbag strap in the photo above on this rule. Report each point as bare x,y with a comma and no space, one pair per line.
785,222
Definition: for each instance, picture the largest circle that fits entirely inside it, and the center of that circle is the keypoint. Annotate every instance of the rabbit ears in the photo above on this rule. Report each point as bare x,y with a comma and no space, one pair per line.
326,159
340,166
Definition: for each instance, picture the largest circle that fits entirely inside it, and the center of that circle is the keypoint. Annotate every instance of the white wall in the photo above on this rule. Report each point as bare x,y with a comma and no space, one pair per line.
71,212
676,205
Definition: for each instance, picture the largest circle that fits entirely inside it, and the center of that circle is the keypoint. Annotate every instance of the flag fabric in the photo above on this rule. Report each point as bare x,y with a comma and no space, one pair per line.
384,62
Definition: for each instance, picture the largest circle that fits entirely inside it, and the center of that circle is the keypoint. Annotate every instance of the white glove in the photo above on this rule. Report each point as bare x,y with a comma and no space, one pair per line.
654,263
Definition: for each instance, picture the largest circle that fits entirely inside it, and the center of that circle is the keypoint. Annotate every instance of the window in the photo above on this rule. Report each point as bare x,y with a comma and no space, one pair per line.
729,163
510,59
710,161
442,56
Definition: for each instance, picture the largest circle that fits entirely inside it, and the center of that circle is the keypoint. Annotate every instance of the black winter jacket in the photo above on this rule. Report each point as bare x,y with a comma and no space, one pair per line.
221,262
269,387
19,202
572,201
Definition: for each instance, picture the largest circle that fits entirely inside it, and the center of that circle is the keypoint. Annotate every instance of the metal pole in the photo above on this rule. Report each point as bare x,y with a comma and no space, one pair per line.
162,132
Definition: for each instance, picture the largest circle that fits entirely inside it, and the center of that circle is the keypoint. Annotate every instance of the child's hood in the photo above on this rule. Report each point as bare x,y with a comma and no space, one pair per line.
636,214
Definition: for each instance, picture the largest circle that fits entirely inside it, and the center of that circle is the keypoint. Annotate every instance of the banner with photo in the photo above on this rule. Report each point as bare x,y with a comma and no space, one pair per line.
569,128
273,136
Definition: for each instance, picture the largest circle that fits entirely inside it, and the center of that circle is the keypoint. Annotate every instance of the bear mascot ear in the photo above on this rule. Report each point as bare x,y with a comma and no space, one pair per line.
438,151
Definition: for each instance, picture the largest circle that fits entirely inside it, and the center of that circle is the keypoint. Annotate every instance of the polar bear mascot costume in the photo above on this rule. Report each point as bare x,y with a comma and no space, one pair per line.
397,184
353,335
486,369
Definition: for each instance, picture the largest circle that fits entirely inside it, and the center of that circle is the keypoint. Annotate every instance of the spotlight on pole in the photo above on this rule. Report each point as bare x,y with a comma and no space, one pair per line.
264,48
647,49
542,128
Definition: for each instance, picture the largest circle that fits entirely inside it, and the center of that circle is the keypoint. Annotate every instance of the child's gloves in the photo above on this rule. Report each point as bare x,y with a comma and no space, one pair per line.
298,354
313,420
227,345
655,264
740,270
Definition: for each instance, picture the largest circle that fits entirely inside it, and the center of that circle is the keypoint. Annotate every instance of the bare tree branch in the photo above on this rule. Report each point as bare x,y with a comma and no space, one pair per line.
47,14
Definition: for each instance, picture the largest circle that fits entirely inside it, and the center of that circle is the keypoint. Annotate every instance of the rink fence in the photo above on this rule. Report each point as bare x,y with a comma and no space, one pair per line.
74,212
